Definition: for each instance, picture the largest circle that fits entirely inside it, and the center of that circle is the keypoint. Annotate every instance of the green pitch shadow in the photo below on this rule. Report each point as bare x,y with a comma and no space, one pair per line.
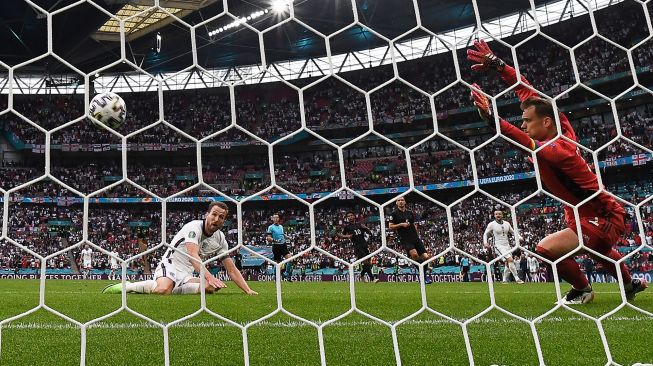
176,306
283,339
459,300
124,339
513,345
381,299
529,300
428,338
233,304
358,340
327,299
40,338
563,335
81,300
623,329
226,339
17,296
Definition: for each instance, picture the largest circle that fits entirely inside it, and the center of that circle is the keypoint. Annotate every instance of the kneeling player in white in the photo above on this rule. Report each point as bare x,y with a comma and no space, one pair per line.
197,239
499,230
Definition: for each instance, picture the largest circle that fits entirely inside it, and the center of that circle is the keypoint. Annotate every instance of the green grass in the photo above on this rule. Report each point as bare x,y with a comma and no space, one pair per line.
42,338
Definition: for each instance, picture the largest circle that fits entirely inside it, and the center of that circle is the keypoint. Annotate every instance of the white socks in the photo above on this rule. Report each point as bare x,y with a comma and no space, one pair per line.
513,269
141,287
146,287
510,268
187,288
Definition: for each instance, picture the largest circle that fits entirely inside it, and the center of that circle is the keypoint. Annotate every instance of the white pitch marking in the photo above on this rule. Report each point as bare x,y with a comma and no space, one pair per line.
293,324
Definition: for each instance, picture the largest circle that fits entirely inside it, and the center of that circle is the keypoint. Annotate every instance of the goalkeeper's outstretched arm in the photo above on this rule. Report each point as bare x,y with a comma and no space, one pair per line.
485,60
482,103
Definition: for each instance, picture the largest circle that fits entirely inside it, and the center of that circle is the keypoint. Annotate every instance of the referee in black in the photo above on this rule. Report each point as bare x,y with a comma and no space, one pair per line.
355,231
403,222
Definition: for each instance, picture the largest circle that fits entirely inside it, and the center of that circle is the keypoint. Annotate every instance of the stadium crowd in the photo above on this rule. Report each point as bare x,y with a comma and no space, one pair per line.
435,161
271,111
132,229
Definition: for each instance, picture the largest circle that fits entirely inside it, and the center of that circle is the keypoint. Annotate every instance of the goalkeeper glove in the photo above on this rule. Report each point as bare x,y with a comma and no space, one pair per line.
482,104
484,57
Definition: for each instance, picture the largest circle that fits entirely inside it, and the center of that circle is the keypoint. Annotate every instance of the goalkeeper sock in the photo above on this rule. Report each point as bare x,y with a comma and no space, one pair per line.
610,267
141,287
187,288
568,269
513,270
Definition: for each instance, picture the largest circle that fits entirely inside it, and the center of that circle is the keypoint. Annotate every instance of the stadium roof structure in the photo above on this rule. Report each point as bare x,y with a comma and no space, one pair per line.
141,19
230,49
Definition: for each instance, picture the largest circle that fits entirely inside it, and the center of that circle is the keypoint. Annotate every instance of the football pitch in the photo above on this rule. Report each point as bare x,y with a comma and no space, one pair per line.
566,338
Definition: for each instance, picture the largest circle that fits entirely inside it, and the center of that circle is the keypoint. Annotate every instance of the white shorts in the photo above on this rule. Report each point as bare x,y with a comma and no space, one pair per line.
86,265
114,267
503,249
169,270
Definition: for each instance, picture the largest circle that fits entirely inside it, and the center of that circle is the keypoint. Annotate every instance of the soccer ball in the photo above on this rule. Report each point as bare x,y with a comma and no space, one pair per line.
108,108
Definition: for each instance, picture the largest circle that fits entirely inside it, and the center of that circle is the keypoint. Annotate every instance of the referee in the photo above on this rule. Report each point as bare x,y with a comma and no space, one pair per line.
277,237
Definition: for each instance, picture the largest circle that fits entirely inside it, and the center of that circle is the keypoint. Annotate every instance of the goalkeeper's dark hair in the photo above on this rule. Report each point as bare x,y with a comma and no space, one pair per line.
543,107
222,205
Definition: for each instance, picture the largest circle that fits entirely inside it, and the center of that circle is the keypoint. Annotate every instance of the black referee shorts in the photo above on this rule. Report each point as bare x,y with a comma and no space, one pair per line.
279,251
417,245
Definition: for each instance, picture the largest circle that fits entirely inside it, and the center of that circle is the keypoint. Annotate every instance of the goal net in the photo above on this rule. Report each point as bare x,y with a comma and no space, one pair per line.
350,125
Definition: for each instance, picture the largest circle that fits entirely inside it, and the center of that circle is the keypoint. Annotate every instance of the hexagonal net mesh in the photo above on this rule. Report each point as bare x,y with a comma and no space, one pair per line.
360,130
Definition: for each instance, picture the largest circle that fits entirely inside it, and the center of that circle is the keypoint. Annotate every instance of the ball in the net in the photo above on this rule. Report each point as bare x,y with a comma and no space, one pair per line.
108,108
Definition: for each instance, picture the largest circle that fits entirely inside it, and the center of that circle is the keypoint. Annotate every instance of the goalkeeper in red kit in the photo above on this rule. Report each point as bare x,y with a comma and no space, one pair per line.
565,174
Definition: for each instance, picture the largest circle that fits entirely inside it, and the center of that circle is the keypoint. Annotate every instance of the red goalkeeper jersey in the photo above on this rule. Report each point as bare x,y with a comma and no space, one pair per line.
562,169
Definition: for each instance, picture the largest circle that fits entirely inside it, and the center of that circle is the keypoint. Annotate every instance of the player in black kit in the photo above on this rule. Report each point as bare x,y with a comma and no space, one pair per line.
355,231
403,222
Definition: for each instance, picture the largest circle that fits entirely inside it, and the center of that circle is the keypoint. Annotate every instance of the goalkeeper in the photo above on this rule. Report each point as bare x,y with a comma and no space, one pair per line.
565,174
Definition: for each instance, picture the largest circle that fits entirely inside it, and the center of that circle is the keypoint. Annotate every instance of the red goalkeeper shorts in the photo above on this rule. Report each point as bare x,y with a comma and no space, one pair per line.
601,233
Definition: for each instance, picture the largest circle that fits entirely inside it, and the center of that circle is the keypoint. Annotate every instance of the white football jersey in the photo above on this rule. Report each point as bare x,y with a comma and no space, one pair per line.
499,231
533,264
87,254
193,232
114,261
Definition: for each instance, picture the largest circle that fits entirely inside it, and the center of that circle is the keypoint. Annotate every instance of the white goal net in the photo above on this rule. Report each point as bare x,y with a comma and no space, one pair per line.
353,115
